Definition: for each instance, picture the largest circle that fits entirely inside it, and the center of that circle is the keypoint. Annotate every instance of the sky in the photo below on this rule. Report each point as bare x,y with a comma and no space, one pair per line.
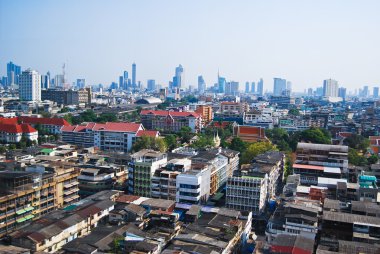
303,41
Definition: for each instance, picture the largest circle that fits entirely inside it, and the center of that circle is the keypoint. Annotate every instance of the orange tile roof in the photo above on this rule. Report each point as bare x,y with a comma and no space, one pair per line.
167,112
308,166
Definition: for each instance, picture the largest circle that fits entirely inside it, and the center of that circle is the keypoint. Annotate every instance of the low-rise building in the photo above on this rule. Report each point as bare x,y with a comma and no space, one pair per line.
50,125
171,121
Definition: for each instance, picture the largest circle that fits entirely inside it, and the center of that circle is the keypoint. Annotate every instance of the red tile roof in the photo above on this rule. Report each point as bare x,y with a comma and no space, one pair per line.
44,120
147,133
17,128
167,112
4,120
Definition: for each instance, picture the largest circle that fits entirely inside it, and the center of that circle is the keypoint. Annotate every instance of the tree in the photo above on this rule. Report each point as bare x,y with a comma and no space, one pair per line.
356,142
69,118
64,110
203,141
355,158
255,149
145,142
316,136
186,134
373,159
238,145
294,112
2,149
171,141
279,137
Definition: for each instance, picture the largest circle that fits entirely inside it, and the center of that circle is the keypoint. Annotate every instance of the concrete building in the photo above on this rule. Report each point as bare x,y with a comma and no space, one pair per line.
117,137
206,112
141,170
330,88
30,86
68,97
279,86
50,125
318,160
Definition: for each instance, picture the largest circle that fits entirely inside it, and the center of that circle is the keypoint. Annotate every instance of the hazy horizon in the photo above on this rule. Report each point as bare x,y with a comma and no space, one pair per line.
302,41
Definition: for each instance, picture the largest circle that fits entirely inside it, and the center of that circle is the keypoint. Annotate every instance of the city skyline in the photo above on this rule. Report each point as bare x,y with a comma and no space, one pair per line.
334,40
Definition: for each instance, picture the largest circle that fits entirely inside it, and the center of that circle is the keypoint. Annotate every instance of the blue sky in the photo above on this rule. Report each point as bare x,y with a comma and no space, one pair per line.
303,41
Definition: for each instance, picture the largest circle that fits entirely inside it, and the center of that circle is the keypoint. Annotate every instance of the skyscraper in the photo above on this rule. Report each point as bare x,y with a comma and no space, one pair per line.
178,77
365,92
221,84
330,88
125,79
13,72
151,85
376,92
81,83
134,84
253,87
279,86
30,86
45,81
121,82
289,87
342,92
232,88
59,81
260,87
201,84
247,87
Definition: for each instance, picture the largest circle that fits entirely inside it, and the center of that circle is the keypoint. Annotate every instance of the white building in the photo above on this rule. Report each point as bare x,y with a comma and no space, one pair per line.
30,86
330,88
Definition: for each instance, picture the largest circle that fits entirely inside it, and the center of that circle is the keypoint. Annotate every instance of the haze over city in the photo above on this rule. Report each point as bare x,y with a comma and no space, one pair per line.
304,42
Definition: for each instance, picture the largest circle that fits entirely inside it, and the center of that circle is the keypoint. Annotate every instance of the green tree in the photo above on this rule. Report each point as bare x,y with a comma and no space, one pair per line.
64,110
12,147
238,145
355,158
373,159
255,149
294,112
2,149
186,134
279,137
145,142
203,141
316,136
69,118
357,142
171,141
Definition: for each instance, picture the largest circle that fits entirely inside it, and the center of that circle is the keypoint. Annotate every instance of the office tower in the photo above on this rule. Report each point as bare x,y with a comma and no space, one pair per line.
279,86
121,82
232,88
125,81
4,81
247,87
45,82
365,92
201,84
30,86
151,85
178,78
253,87
134,84
342,92
59,81
260,87
376,92
319,91
221,84
81,83
310,92
330,88
13,72
289,86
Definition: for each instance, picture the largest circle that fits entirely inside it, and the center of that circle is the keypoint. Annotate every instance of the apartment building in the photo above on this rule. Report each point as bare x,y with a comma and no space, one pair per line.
25,196
115,137
318,160
164,178
194,186
295,218
67,97
93,179
141,170
246,191
171,121
206,112
251,187
54,230
232,109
